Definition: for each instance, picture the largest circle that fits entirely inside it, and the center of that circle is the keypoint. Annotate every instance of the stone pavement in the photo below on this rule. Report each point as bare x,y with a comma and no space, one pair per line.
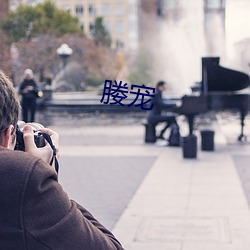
189,204
184,204
101,167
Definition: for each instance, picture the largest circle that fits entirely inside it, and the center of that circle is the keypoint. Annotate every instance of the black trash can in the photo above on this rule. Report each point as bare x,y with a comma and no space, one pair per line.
207,140
150,133
189,146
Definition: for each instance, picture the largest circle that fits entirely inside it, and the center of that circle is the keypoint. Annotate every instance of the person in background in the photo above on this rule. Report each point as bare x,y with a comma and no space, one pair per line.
29,92
155,116
35,212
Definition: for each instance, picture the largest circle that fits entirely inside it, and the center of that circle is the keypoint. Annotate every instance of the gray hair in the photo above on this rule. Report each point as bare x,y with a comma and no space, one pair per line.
29,72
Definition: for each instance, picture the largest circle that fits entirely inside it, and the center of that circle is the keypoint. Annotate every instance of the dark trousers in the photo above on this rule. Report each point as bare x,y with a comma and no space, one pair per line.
168,119
29,109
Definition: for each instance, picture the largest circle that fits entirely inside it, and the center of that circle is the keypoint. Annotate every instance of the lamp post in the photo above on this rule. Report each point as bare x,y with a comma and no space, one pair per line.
64,51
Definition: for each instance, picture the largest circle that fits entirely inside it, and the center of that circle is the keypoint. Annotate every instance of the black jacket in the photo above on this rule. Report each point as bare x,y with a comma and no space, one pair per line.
158,105
32,93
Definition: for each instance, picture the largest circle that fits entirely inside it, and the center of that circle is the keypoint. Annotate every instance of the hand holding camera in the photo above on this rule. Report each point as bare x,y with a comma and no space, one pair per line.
38,137
41,142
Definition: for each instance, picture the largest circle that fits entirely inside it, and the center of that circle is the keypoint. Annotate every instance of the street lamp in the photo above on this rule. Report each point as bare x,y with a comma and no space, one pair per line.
64,51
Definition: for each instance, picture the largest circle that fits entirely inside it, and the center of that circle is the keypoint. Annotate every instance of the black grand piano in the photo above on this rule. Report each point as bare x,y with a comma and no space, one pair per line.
220,89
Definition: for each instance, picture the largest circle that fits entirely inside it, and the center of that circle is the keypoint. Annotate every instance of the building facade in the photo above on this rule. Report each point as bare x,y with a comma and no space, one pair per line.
15,3
120,18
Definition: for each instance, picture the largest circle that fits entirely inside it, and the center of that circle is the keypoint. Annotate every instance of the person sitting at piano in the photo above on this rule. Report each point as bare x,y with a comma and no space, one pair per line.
155,116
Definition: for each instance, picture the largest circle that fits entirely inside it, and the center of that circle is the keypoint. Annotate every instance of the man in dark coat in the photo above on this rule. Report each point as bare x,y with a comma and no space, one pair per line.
35,212
155,116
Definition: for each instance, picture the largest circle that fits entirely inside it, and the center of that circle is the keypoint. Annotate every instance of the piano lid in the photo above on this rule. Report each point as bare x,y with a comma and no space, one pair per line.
218,78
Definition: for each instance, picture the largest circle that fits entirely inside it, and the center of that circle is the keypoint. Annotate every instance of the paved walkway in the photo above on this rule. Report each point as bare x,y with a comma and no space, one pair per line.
180,204
186,204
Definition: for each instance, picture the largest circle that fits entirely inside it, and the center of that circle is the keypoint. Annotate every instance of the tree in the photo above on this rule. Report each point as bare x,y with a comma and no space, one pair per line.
94,63
42,18
100,33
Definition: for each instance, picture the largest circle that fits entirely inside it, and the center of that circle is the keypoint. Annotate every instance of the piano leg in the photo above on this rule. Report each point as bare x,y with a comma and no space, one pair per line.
190,123
243,114
241,137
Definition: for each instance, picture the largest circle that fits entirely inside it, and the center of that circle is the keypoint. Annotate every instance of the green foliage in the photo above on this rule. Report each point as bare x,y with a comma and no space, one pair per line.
141,74
93,80
100,33
42,18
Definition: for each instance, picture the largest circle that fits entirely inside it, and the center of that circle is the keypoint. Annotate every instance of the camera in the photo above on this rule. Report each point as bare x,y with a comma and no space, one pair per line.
38,137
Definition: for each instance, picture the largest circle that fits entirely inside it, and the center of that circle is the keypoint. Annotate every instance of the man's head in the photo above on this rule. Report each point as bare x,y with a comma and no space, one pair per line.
9,112
161,86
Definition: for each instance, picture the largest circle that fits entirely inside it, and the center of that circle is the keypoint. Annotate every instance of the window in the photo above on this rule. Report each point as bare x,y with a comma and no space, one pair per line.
79,10
91,27
82,26
92,10
119,44
119,9
67,8
215,4
119,27
106,9
107,25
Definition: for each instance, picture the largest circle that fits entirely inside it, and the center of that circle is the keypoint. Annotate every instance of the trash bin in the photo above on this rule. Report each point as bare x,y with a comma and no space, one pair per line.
189,146
207,140
150,134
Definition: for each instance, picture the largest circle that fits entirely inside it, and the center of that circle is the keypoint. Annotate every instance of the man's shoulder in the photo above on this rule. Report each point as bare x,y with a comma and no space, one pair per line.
16,169
18,161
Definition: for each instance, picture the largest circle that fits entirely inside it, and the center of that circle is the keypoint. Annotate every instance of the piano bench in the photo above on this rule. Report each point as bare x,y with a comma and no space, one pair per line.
150,132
